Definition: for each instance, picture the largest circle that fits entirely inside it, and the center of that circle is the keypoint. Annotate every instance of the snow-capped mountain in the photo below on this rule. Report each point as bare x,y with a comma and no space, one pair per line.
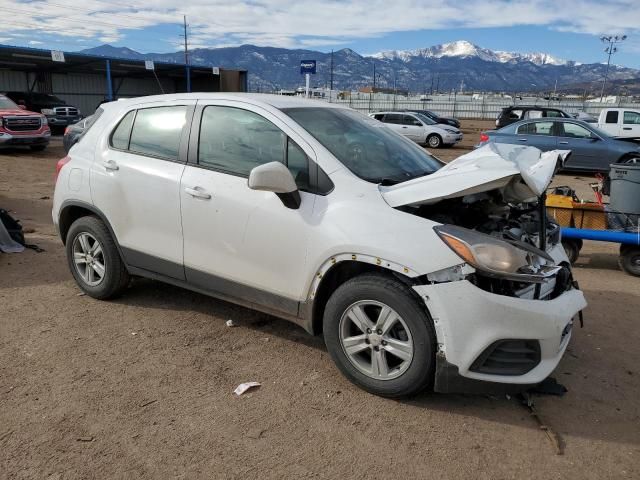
441,67
464,49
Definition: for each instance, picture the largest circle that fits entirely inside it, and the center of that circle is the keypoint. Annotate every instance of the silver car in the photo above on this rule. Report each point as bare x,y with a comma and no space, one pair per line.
420,128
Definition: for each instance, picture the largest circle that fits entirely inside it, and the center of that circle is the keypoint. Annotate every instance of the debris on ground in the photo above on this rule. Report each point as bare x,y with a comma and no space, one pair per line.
243,387
231,323
549,386
85,439
146,404
554,437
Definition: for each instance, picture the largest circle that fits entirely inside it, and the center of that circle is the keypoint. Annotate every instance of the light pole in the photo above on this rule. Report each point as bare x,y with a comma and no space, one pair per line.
611,42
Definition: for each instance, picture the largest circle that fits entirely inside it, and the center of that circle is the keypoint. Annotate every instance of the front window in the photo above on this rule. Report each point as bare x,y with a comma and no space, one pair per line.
5,103
366,147
631,118
425,119
575,131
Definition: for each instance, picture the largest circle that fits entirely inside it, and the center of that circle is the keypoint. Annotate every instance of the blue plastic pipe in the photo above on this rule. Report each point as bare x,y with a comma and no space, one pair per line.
602,235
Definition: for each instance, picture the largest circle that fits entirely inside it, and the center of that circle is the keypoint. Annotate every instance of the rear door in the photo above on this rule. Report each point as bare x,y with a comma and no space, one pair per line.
631,124
539,134
611,123
394,122
135,181
412,128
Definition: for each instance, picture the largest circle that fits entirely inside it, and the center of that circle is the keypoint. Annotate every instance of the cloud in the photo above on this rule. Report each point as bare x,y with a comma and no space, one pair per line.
35,42
309,23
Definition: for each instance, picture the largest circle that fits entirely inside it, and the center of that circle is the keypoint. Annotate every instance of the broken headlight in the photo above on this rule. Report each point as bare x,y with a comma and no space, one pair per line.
515,261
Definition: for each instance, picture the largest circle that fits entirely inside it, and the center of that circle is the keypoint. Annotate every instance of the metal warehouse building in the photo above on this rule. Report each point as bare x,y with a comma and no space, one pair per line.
85,81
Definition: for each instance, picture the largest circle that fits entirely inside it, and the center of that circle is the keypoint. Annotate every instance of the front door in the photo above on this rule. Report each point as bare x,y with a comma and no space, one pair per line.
240,243
587,151
413,128
631,124
135,180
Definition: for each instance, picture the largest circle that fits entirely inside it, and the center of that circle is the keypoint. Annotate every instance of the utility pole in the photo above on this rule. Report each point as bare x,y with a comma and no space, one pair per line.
331,76
374,75
187,70
611,42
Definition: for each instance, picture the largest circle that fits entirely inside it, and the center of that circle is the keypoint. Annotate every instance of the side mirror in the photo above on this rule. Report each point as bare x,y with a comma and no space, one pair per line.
275,177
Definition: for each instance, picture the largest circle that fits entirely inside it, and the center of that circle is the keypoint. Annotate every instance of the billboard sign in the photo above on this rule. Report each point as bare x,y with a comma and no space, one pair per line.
308,66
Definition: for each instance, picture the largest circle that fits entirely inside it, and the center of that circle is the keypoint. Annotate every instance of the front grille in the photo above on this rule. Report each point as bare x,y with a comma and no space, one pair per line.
65,111
22,123
508,357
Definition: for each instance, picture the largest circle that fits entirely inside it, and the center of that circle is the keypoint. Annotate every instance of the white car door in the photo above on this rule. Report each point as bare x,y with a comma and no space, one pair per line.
413,129
394,122
612,123
240,243
135,182
630,124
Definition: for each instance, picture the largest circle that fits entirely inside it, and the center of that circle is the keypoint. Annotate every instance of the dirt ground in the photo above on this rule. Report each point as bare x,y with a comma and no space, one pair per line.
141,387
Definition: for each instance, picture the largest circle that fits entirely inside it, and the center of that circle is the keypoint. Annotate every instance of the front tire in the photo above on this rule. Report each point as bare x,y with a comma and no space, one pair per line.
380,336
629,259
94,259
434,141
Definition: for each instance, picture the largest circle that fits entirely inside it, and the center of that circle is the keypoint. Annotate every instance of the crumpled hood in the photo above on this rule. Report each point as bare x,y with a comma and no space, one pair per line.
522,173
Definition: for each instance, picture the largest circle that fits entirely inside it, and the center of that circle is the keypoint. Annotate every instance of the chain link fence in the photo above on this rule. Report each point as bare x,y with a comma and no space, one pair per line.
481,109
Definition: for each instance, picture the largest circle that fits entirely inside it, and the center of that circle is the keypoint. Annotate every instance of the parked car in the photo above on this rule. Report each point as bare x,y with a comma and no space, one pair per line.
74,132
321,215
510,115
19,126
453,122
58,113
585,117
591,148
419,128
621,123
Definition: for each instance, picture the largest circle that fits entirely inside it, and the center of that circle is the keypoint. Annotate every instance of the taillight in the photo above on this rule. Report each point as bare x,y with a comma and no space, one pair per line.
61,163
66,130
484,137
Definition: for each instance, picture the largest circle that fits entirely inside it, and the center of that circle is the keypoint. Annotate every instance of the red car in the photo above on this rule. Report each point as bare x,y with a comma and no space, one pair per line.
19,126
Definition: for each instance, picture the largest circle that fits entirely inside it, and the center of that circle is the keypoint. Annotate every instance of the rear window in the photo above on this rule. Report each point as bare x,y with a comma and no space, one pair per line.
612,117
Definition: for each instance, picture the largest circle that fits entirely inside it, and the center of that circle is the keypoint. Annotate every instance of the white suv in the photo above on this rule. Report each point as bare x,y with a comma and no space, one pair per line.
420,128
417,274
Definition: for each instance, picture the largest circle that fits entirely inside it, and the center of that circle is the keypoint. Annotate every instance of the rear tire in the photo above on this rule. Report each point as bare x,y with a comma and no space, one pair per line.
572,248
629,259
397,357
94,259
37,148
434,141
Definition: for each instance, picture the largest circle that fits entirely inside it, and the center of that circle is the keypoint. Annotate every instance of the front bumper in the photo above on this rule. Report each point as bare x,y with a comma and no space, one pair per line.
15,139
63,121
452,138
468,320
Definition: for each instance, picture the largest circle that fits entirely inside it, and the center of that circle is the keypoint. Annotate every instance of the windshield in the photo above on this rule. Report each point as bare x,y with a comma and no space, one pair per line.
364,145
6,103
425,119
45,98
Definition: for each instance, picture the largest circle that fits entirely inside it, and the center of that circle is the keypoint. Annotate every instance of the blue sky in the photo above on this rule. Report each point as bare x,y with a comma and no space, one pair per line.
567,29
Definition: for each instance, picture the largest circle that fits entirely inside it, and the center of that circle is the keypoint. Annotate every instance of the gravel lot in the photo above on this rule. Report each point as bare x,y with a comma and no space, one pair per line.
142,387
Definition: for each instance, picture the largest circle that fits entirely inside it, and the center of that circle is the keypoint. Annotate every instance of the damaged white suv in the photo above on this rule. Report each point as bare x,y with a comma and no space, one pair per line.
417,274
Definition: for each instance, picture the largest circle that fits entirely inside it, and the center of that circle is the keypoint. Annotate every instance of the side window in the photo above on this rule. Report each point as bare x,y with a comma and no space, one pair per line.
553,114
157,131
235,140
409,120
393,118
379,116
526,129
575,131
533,114
536,128
612,117
515,114
631,118
120,136
298,165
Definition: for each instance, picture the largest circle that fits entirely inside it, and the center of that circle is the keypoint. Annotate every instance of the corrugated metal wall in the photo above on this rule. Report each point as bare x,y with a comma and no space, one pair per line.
87,91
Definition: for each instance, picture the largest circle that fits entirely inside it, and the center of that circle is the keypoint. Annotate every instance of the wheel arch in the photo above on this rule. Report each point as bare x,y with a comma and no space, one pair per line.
338,270
628,155
72,210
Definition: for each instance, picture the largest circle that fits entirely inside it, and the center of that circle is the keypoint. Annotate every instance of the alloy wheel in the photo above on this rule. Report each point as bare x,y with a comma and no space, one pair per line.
88,259
376,340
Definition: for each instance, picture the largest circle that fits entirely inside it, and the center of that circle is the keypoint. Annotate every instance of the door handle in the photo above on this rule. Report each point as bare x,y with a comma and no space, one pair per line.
405,127
110,165
626,128
522,139
563,143
197,193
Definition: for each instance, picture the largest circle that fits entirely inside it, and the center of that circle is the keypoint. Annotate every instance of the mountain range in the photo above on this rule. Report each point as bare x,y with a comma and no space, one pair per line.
442,67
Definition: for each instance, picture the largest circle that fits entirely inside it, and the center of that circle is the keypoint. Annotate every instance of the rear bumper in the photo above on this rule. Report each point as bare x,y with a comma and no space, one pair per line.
25,139
468,320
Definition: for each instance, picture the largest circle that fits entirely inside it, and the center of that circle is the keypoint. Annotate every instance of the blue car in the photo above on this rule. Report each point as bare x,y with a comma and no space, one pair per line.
591,148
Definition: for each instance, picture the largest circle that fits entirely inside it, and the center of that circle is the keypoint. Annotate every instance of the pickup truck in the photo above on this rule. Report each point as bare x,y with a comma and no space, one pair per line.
623,123
18,126
58,113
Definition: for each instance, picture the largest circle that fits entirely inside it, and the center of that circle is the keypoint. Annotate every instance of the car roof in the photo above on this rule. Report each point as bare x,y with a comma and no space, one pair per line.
530,107
548,119
277,101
